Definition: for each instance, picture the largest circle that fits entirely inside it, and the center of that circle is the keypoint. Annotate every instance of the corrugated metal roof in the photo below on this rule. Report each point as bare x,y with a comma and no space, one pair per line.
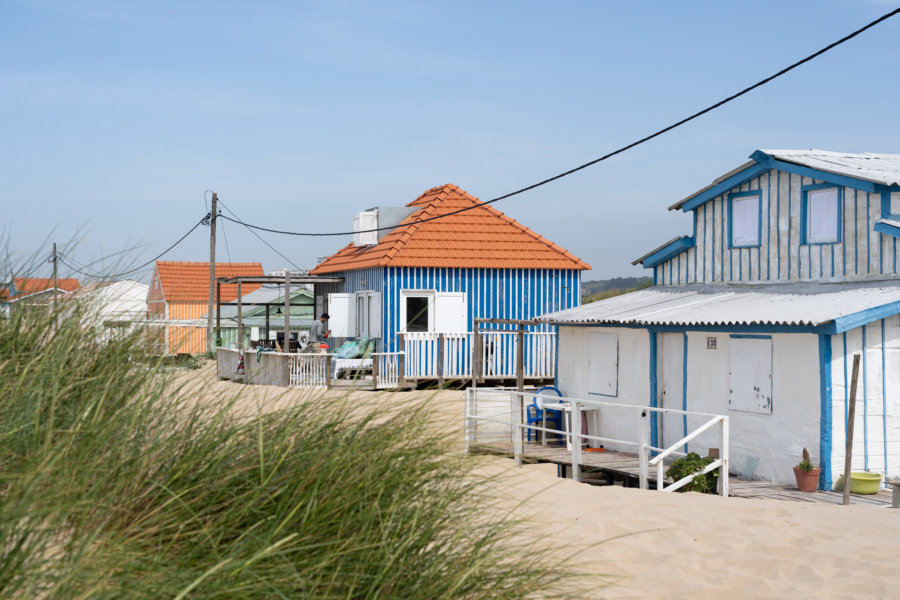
800,304
877,168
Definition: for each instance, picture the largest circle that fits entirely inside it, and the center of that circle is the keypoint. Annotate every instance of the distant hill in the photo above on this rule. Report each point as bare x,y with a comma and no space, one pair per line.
591,291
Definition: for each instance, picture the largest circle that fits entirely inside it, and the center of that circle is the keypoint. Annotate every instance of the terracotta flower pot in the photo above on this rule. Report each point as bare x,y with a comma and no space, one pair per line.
807,481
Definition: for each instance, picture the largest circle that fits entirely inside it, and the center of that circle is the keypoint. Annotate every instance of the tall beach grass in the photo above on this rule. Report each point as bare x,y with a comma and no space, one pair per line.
113,484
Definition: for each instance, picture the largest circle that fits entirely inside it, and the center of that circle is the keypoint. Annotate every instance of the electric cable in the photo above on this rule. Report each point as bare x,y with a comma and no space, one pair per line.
293,264
605,156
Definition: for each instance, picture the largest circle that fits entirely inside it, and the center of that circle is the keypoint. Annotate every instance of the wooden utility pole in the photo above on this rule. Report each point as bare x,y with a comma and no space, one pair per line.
55,286
210,340
287,311
851,416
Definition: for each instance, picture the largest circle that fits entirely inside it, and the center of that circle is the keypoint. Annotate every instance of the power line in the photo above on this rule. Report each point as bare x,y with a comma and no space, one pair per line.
258,236
604,157
204,221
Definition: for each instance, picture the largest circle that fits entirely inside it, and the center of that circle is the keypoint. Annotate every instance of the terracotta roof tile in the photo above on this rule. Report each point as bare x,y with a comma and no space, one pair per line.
189,281
482,237
31,285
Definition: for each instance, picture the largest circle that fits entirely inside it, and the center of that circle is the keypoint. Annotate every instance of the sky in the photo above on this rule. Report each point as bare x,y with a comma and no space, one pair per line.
118,118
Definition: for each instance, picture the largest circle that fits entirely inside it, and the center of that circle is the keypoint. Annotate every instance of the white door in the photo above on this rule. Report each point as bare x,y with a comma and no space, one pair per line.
670,362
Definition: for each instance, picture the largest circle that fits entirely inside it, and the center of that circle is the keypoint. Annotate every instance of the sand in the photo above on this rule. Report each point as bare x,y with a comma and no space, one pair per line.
646,544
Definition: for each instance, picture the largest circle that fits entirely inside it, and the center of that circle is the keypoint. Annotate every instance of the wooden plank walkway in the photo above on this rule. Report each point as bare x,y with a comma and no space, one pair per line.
624,467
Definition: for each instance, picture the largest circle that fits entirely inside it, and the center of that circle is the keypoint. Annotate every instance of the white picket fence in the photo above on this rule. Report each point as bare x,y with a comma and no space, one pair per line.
449,355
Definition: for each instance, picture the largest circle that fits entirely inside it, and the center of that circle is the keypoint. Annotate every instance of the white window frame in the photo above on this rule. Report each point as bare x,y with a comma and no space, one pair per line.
738,203
810,193
404,294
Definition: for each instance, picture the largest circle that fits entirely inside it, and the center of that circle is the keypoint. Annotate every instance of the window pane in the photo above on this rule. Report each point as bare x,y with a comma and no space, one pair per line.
821,215
745,221
416,313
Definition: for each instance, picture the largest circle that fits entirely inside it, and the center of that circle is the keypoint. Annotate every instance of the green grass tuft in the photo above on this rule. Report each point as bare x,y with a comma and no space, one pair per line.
113,484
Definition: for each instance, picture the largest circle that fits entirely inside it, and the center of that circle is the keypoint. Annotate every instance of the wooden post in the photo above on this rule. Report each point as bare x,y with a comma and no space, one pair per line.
240,318
476,355
440,360
851,415
643,455
328,371
374,370
287,313
55,284
267,324
575,435
520,358
213,212
515,406
218,310
402,360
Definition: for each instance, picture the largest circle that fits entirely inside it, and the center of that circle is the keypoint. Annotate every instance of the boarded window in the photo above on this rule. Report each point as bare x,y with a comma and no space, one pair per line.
745,220
822,216
603,364
750,375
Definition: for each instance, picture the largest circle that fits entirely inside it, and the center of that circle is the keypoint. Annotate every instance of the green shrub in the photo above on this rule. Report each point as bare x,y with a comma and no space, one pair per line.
706,484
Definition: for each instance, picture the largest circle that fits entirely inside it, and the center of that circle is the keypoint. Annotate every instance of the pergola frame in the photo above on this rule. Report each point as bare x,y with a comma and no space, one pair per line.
287,280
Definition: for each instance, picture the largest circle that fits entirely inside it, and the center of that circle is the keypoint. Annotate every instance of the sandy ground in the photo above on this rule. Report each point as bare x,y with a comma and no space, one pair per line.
646,544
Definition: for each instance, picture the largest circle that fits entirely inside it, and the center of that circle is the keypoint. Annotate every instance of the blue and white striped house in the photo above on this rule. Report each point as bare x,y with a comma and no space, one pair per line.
428,280
792,267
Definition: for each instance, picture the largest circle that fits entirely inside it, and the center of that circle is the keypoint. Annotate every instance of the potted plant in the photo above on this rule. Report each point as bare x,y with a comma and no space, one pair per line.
806,474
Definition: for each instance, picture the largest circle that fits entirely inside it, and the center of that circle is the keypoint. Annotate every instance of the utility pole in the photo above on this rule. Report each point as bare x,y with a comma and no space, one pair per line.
214,210
54,280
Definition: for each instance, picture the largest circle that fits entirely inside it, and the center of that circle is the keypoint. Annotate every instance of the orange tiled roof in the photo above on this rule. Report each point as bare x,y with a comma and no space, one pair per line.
31,285
189,281
482,237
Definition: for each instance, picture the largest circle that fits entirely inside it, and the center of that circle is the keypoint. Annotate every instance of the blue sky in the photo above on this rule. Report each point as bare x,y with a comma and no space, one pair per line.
115,117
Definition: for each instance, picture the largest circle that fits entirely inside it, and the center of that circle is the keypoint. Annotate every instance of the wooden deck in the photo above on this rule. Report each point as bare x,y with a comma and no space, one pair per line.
620,468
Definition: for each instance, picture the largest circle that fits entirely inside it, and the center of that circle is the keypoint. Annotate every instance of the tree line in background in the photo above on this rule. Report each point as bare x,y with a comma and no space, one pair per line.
591,291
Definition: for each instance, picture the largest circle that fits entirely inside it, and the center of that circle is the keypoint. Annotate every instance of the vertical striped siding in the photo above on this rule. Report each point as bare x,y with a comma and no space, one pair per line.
188,340
780,256
876,435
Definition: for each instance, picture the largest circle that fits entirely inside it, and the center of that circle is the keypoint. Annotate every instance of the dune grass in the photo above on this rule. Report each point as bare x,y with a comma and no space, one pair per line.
112,488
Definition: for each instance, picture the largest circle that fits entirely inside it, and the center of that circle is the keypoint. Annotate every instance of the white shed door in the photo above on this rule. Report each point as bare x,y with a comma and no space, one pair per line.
603,364
342,315
450,312
750,377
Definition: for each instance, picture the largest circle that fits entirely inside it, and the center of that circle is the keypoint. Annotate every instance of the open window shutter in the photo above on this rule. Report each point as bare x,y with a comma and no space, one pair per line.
375,315
342,315
450,312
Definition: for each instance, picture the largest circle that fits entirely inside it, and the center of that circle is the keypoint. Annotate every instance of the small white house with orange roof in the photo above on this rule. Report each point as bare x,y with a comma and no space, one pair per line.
180,291
428,280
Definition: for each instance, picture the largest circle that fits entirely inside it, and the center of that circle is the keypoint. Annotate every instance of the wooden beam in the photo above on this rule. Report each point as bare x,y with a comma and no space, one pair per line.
240,319
287,311
851,416
520,358
440,360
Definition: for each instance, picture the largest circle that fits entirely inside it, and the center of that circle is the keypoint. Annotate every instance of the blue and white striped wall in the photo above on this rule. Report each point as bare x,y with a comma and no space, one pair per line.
491,293
782,255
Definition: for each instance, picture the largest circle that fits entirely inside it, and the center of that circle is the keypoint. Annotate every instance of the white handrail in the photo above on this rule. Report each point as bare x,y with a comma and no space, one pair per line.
574,406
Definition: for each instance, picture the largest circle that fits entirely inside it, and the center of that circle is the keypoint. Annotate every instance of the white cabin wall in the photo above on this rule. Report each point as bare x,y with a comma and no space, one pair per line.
877,397
780,256
777,439
633,378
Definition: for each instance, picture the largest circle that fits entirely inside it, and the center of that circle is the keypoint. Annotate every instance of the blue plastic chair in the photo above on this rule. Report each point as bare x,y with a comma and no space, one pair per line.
535,415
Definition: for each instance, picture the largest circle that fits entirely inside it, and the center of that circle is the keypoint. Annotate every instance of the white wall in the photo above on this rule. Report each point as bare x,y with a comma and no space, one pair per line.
777,439
877,397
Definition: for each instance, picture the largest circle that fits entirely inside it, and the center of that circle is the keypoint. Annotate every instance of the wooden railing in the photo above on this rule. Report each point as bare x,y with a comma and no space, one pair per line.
495,354
487,420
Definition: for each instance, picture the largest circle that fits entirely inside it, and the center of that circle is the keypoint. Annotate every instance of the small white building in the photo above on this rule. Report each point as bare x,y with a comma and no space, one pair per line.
111,307
792,268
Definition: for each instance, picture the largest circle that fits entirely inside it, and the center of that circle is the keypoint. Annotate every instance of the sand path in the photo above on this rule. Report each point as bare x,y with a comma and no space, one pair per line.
646,544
